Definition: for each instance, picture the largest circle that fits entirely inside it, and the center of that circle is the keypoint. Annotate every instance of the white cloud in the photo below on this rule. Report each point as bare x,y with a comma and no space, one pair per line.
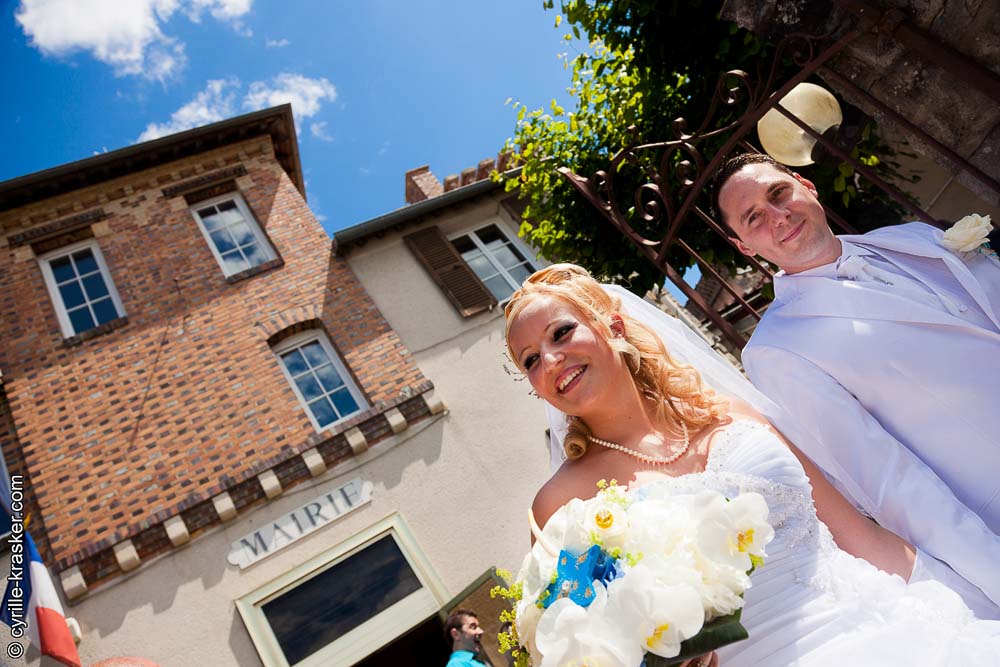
276,43
305,94
215,103
227,11
222,10
220,100
125,34
318,130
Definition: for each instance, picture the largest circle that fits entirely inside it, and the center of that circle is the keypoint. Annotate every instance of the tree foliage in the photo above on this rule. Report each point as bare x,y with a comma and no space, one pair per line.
648,62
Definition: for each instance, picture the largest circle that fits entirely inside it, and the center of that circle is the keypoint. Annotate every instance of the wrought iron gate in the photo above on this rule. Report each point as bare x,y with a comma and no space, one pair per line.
676,171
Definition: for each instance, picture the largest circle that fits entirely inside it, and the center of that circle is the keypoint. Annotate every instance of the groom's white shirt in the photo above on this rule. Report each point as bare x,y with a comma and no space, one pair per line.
891,357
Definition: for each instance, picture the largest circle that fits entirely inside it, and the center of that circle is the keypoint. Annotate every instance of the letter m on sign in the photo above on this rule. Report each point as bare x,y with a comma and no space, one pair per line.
257,546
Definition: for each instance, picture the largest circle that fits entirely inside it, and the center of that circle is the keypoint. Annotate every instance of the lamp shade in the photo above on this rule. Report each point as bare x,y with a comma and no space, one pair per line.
785,141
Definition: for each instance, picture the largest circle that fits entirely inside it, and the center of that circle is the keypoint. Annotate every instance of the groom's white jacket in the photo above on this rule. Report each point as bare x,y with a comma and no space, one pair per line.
902,400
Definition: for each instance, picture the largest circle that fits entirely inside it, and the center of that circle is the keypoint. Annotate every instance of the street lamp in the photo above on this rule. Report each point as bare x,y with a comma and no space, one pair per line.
788,143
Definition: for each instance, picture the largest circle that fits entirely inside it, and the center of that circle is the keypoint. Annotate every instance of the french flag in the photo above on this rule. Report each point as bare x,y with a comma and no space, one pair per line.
31,605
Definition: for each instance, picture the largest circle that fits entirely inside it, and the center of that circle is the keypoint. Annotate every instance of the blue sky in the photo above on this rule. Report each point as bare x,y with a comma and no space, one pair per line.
378,87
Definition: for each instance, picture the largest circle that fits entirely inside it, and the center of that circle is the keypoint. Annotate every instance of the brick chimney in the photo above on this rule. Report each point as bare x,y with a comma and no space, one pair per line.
421,184
468,176
484,168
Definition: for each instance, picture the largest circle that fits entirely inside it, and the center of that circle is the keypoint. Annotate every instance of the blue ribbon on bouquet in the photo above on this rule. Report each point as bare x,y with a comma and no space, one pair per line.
576,576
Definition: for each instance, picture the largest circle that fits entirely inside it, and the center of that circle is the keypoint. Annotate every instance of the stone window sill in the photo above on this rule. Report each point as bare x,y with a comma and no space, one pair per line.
107,327
257,270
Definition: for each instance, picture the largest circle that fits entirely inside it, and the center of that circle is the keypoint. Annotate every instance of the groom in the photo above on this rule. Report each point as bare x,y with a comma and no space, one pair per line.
886,346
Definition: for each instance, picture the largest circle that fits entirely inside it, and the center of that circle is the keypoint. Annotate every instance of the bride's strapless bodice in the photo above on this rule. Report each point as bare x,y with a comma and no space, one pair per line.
748,456
812,604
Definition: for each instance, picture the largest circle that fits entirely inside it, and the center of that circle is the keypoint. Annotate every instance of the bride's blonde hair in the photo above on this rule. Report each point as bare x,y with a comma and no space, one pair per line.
676,389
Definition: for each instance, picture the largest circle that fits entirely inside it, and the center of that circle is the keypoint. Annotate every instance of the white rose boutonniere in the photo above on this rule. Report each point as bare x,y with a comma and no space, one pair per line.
967,234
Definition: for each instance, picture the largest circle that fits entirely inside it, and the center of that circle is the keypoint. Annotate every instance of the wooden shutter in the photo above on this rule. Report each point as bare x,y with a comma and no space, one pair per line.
462,287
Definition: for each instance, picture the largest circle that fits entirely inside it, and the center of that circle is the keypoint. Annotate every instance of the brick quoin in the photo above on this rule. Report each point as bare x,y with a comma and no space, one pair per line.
184,399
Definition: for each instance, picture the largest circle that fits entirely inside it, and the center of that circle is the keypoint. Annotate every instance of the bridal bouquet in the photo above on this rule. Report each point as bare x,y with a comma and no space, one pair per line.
616,580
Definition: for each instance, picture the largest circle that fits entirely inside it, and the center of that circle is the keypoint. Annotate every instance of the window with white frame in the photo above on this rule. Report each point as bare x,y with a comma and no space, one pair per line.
319,378
236,240
384,586
495,259
81,288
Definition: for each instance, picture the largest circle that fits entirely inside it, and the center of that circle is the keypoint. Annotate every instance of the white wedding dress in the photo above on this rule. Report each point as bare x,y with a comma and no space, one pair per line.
813,605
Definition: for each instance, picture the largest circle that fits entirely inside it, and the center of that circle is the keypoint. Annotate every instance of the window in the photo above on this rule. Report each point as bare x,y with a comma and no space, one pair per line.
447,268
235,238
81,288
319,378
497,262
384,587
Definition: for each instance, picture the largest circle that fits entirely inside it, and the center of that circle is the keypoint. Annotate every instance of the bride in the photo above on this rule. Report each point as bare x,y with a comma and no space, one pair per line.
643,418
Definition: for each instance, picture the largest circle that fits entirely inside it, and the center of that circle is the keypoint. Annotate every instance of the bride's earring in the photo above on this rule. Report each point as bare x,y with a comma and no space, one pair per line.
633,358
631,354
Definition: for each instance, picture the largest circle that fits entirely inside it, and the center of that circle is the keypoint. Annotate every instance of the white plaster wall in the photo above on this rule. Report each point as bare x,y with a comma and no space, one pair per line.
462,482
498,429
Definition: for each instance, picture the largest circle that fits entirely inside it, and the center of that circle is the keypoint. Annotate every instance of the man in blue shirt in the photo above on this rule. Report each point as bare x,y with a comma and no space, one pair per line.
462,629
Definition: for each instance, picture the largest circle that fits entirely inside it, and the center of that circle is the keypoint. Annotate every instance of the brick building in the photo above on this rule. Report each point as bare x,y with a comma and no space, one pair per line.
220,422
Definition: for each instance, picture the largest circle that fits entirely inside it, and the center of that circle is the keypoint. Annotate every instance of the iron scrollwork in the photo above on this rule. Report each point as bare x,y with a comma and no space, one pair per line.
675,172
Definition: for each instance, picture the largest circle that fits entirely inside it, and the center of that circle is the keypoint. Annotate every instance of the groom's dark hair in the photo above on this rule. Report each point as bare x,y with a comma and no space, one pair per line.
725,172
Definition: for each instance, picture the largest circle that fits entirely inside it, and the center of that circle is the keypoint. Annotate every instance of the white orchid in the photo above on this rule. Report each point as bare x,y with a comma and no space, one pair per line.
722,588
572,636
526,623
606,523
677,568
569,526
659,526
660,616
730,532
719,587
536,572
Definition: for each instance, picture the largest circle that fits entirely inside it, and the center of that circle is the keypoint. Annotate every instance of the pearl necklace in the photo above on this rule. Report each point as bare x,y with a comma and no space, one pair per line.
647,458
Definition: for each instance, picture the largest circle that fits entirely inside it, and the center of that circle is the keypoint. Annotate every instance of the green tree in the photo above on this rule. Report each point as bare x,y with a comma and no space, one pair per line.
648,62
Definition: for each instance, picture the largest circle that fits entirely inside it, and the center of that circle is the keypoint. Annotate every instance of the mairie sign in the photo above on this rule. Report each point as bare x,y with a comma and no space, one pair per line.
300,522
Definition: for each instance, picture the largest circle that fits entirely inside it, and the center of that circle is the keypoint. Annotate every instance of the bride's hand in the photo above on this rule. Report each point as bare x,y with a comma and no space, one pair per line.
707,660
